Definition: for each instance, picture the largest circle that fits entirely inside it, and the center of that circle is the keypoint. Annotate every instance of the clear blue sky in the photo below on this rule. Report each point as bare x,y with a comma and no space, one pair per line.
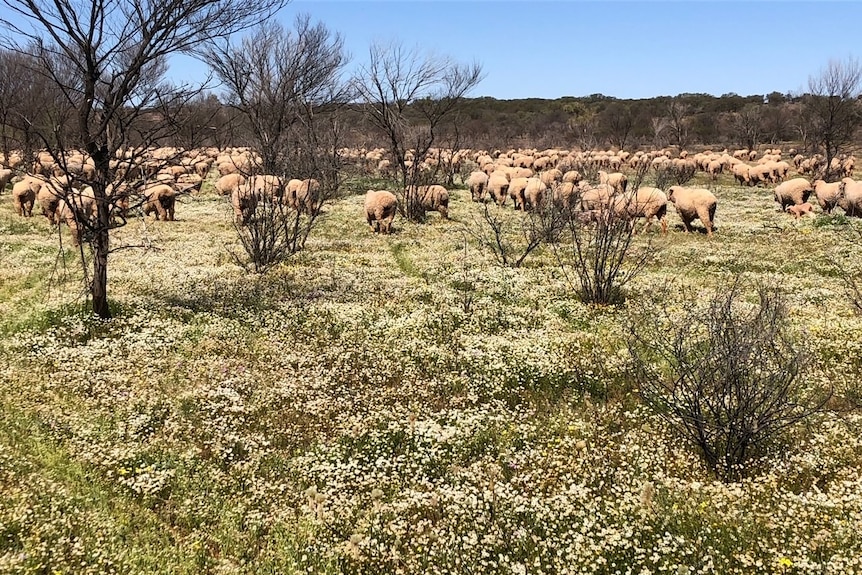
622,49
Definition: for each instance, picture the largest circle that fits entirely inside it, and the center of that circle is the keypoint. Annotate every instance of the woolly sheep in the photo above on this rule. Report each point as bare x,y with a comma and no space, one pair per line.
306,197
435,198
478,183
244,203
76,209
498,187
380,209
828,194
851,199
23,198
714,168
645,202
694,203
516,192
534,193
793,192
596,198
225,185
741,173
616,180
161,200
5,178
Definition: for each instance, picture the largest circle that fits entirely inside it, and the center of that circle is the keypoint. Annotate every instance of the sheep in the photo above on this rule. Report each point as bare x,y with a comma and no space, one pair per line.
77,209
714,168
792,192
741,173
851,199
596,198
478,183
433,198
244,203
498,186
380,209
534,193
550,177
23,197
691,203
516,192
617,180
306,197
799,210
645,202
225,185
572,176
565,195
161,199
828,194
5,178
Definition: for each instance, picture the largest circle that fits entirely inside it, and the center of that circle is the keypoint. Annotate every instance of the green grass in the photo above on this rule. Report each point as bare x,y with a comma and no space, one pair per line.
351,411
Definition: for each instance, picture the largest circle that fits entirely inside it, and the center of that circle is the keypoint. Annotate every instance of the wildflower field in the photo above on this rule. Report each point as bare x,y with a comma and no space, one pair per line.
403,404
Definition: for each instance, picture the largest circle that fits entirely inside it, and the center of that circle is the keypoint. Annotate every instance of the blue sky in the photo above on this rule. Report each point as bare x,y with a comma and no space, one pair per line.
622,49
638,49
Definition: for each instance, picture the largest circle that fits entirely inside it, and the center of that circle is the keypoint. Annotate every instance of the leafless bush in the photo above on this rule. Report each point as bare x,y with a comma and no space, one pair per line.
727,376
598,256
510,240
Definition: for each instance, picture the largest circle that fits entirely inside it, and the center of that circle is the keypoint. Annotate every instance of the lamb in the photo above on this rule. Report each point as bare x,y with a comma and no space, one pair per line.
694,203
799,210
793,192
828,194
380,209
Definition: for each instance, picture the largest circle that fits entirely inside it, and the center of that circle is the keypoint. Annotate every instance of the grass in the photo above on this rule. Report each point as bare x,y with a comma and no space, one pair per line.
402,403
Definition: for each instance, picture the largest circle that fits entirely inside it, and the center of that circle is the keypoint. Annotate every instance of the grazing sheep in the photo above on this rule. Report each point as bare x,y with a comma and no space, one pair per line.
645,202
306,197
616,180
534,193
551,177
478,184
380,209
5,178
434,198
244,203
851,199
799,210
23,197
828,194
793,192
225,185
714,168
77,209
596,198
498,186
516,192
741,173
161,200
694,203
565,195
572,176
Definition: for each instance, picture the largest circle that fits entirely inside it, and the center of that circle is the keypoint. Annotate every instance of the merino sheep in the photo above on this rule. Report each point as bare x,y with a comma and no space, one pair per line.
645,202
244,203
23,197
478,184
793,192
534,193
828,194
597,198
616,180
498,186
380,209
306,197
516,192
225,185
161,200
5,178
77,209
851,199
741,173
434,198
799,210
694,203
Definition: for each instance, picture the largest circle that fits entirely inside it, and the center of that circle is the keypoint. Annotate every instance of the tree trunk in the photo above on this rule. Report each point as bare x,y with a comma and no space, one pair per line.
101,234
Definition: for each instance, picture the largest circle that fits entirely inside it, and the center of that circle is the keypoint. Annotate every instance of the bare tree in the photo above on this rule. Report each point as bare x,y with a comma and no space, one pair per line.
745,125
832,107
408,96
728,377
618,122
287,85
108,57
678,117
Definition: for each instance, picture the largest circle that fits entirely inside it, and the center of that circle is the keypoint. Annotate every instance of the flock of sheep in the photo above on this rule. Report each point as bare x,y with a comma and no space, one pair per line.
530,178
